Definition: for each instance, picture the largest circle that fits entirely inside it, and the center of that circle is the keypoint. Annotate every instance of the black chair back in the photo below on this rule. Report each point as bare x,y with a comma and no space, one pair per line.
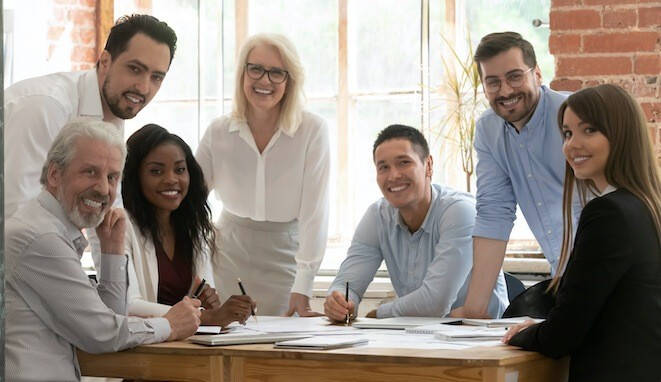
533,302
514,286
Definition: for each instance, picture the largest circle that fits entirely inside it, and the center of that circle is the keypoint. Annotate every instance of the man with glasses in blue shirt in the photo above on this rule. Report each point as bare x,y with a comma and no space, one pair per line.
520,162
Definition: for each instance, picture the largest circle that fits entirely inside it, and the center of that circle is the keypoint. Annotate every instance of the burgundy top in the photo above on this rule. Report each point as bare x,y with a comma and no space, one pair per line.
174,276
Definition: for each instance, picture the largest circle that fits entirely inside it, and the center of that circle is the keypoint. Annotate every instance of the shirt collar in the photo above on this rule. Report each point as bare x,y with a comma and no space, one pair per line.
539,114
242,125
89,104
427,223
608,190
73,233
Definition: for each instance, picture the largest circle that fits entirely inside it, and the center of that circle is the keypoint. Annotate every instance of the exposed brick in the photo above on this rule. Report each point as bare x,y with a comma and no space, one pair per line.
592,83
620,42
54,32
647,64
83,54
562,3
566,43
619,18
566,85
652,111
642,90
608,2
591,66
649,17
84,36
575,19
87,3
82,18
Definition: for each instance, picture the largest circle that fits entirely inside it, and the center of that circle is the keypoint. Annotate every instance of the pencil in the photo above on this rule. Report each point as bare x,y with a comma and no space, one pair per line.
243,291
346,297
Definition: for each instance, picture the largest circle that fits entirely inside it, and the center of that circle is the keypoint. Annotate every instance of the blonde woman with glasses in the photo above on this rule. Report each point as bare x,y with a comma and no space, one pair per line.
607,315
268,162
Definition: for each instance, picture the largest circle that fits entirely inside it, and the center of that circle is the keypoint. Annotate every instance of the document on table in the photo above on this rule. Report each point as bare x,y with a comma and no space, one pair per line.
469,333
398,340
309,325
322,342
400,322
499,322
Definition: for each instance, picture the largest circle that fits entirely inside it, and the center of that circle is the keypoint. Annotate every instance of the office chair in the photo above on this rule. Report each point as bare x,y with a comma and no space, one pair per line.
533,302
514,286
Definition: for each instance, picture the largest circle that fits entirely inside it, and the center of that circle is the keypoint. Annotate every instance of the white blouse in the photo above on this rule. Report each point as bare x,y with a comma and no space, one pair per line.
287,181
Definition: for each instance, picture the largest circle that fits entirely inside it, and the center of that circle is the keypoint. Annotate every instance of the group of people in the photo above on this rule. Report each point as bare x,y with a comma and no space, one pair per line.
580,166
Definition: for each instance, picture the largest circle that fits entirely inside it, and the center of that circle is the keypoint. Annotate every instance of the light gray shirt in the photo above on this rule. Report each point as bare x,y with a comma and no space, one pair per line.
53,308
429,269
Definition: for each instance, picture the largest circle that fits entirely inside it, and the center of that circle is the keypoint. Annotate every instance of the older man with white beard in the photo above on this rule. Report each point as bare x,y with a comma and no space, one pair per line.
52,308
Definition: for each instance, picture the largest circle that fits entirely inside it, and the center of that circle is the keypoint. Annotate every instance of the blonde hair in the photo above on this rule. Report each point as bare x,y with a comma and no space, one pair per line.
631,164
291,104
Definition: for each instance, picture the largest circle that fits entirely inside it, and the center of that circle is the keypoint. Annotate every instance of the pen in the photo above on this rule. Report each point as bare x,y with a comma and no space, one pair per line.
243,291
198,290
346,297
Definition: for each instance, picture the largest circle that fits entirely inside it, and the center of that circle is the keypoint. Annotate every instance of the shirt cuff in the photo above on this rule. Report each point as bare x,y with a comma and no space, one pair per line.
384,310
498,230
303,282
113,268
161,327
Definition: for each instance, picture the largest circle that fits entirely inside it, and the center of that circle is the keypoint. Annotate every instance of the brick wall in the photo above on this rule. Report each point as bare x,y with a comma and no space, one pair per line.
71,31
610,41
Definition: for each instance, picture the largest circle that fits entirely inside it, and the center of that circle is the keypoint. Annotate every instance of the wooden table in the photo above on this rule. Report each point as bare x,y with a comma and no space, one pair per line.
184,361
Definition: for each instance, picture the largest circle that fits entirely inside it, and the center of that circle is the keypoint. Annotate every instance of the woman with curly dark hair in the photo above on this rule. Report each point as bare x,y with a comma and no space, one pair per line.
170,240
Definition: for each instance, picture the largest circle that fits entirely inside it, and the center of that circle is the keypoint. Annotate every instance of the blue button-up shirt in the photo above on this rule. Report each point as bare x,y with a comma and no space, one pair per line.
526,167
429,268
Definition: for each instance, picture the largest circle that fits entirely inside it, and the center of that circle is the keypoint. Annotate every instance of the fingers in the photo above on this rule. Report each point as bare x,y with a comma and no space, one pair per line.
514,330
336,307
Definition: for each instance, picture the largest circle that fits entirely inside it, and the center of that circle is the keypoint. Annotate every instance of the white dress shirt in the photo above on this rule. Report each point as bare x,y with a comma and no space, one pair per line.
287,181
53,308
36,109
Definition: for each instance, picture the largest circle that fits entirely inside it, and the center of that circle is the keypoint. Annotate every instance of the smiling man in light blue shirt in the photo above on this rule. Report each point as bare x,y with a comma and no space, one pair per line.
520,161
422,231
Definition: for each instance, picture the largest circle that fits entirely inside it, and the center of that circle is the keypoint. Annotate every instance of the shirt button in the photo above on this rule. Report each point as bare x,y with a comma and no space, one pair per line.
539,204
529,175
548,232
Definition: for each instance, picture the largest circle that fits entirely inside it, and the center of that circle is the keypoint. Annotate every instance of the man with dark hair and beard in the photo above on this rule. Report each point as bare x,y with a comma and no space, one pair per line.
129,72
520,162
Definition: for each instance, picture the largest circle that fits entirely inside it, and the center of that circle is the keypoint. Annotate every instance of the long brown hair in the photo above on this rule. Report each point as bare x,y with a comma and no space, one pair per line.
631,164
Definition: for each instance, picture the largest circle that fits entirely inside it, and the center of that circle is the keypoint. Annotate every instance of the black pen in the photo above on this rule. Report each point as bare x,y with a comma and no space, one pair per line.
198,290
346,297
243,291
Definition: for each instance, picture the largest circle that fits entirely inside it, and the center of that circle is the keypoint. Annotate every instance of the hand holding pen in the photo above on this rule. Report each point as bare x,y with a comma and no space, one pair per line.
252,306
206,294
337,307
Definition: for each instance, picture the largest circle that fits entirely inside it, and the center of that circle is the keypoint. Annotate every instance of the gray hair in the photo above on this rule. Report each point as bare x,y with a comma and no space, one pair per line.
291,104
64,146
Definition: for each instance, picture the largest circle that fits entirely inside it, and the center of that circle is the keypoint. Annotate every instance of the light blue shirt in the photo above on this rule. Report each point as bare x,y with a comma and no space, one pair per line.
429,268
525,168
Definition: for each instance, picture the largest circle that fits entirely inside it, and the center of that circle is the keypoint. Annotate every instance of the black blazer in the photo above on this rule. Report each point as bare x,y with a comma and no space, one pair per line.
608,309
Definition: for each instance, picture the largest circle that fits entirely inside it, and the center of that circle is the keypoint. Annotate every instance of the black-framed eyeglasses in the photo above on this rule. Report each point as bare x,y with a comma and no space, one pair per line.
276,75
515,79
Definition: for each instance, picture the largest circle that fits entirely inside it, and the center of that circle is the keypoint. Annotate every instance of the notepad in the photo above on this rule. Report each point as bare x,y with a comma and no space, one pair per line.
322,343
399,322
469,333
209,329
498,322
243,338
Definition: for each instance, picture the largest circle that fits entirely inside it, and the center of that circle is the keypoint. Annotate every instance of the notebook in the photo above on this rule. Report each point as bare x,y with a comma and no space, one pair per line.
469,333
499,322
210,329
322,342
399,322
244,338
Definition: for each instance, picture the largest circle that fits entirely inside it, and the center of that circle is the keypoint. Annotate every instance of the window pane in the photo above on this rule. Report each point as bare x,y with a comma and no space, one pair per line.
229,46
312,27
177,117
211,23
384,45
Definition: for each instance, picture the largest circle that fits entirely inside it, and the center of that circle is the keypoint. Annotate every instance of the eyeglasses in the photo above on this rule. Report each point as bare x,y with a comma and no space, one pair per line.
276,75
514,79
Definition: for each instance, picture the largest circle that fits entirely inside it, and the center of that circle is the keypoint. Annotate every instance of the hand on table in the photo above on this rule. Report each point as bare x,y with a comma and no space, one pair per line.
184,318
300,304
516,329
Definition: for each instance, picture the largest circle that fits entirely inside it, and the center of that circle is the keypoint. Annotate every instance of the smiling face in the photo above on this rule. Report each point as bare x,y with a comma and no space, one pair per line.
129,81
515,105
585,148
87,186
404,179
164,177
262,94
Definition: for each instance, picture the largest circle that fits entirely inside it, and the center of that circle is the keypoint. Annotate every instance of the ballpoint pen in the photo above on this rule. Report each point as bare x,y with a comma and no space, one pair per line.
243,291
346,297
199,288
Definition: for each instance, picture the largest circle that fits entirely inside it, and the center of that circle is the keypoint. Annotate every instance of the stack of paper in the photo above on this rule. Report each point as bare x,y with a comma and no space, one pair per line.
399,322
469,333
498,322
322,342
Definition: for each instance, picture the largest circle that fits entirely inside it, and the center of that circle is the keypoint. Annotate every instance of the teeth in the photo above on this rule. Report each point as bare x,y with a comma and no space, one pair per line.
263,91
580,159
134,99
510,102
396,189
169,193
92,203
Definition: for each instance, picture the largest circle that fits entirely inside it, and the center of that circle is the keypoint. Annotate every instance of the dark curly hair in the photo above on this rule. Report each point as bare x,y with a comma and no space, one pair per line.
192,220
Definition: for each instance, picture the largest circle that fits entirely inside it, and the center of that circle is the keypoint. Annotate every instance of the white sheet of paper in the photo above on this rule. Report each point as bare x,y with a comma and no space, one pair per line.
275,324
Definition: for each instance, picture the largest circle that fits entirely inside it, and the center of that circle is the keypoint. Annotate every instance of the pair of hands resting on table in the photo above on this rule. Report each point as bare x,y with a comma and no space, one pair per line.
336,307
